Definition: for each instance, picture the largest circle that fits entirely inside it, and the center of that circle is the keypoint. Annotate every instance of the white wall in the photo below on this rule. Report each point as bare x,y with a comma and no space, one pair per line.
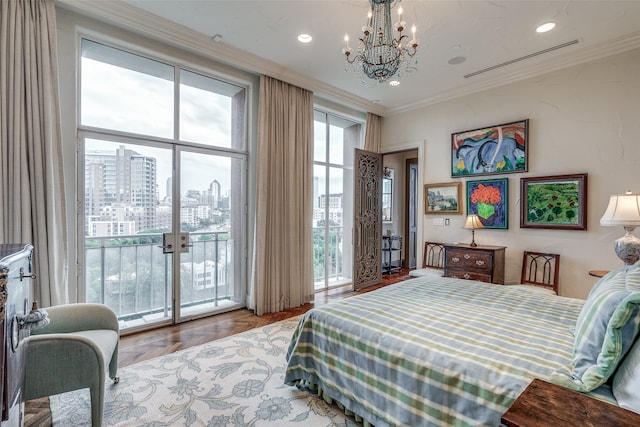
584,119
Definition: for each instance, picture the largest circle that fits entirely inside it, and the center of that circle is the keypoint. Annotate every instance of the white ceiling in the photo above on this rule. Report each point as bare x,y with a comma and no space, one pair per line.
261,36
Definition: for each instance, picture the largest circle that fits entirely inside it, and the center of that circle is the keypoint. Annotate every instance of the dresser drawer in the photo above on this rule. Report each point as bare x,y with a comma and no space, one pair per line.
471,260
469,275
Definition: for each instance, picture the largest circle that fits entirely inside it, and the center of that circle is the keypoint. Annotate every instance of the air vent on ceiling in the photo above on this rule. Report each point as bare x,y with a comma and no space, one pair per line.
522,58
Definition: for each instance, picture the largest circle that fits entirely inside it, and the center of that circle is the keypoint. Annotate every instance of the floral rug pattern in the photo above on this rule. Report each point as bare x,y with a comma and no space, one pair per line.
235,381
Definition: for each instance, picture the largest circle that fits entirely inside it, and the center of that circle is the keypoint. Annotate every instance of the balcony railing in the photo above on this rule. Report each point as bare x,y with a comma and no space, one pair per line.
329,260
131,275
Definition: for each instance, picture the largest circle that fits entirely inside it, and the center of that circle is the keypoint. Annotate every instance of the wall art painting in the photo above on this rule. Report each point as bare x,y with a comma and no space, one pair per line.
558,202
442,198
488,199
495,149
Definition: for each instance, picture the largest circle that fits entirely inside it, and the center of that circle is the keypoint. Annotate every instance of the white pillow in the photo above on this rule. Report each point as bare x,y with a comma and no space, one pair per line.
427,272
626,381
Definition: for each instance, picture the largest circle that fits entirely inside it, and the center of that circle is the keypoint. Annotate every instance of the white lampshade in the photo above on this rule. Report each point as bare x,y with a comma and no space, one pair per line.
473,222
623,210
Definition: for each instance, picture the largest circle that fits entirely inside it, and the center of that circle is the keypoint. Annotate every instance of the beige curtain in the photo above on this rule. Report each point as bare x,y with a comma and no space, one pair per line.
373,133
283,257
31,183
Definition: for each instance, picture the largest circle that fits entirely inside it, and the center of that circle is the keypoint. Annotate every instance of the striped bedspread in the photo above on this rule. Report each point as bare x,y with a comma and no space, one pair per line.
432,351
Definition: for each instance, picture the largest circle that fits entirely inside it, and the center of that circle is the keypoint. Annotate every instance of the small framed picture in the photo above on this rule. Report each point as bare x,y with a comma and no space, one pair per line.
442,198
556,202
497,149
488,199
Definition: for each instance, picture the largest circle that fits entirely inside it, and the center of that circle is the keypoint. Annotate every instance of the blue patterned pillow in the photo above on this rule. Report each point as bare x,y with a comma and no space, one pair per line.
605,330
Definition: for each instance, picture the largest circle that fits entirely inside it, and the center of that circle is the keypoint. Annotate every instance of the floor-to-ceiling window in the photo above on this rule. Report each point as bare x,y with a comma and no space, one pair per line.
164,160
335,139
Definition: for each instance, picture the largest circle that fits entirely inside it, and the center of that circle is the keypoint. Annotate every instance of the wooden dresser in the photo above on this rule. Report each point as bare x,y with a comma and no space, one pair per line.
483,263
15,288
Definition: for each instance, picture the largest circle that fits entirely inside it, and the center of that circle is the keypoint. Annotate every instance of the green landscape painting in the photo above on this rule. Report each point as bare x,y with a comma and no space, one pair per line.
553,203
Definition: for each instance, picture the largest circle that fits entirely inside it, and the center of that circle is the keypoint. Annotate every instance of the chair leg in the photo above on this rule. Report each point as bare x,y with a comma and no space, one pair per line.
97,405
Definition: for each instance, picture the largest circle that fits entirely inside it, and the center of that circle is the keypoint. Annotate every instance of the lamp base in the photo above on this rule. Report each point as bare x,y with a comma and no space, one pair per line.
628,248
473,243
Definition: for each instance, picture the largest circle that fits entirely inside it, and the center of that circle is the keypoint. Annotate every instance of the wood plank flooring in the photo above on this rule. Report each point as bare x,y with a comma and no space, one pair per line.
141,346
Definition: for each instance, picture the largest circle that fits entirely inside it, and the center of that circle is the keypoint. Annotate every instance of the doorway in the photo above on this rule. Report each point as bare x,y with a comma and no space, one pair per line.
402,215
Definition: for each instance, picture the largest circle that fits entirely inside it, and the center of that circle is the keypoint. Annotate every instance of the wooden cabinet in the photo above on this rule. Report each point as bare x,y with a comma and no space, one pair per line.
545,404
15,288
483,263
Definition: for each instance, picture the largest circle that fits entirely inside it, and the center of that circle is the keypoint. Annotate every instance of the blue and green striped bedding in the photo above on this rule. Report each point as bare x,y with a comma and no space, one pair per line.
432,351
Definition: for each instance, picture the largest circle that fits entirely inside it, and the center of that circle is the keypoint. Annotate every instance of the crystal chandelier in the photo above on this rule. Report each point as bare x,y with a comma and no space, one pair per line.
379,55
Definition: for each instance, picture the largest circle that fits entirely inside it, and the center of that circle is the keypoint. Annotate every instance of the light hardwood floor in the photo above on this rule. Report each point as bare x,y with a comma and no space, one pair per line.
141,346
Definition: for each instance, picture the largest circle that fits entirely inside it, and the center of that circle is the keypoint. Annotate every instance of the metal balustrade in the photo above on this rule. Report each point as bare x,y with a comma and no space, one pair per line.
131,275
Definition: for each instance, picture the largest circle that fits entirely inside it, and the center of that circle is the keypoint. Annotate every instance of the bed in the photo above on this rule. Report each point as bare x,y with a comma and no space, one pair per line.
433,350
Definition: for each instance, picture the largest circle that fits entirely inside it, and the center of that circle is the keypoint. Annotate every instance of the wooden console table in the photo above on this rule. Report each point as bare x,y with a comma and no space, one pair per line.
544,404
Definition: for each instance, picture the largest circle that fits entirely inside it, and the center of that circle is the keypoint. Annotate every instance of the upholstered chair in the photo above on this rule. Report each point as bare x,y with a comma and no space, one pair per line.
74,351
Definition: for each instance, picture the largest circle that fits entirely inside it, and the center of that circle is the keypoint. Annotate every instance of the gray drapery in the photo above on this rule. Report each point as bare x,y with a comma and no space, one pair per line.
31,183
283,247
372,134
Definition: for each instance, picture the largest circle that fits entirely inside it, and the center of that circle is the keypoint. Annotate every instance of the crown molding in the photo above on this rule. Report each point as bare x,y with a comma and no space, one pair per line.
133,19
525,71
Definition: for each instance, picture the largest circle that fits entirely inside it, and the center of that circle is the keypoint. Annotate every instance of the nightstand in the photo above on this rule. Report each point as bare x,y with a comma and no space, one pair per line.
598,273
483,263
544,404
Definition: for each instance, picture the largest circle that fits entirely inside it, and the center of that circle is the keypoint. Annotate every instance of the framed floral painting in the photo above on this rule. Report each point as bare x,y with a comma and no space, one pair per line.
488,199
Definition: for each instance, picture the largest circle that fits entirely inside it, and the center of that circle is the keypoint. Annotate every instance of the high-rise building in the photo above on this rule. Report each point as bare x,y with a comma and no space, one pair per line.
123,178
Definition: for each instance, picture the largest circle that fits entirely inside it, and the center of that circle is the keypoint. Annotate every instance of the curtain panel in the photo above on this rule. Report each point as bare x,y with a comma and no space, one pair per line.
373,133
283,247
31,183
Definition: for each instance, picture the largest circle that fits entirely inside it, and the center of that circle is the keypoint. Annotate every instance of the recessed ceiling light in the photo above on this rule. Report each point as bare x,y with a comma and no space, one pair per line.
304,38
546,27
394,83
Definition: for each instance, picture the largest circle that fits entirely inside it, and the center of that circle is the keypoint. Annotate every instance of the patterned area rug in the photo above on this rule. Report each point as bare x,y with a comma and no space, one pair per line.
235,381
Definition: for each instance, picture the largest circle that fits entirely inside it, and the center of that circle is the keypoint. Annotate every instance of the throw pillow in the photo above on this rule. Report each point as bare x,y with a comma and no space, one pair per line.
605,330
626,381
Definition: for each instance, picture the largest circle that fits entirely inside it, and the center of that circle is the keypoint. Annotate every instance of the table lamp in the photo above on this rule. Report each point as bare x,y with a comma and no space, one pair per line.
624,210
472,223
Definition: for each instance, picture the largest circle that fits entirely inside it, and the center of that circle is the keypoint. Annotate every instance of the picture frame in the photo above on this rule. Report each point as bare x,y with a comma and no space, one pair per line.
554,202
496,149
488,199
442,198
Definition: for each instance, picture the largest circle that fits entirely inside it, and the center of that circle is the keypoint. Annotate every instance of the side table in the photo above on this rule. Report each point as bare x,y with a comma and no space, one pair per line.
544,404
598,273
